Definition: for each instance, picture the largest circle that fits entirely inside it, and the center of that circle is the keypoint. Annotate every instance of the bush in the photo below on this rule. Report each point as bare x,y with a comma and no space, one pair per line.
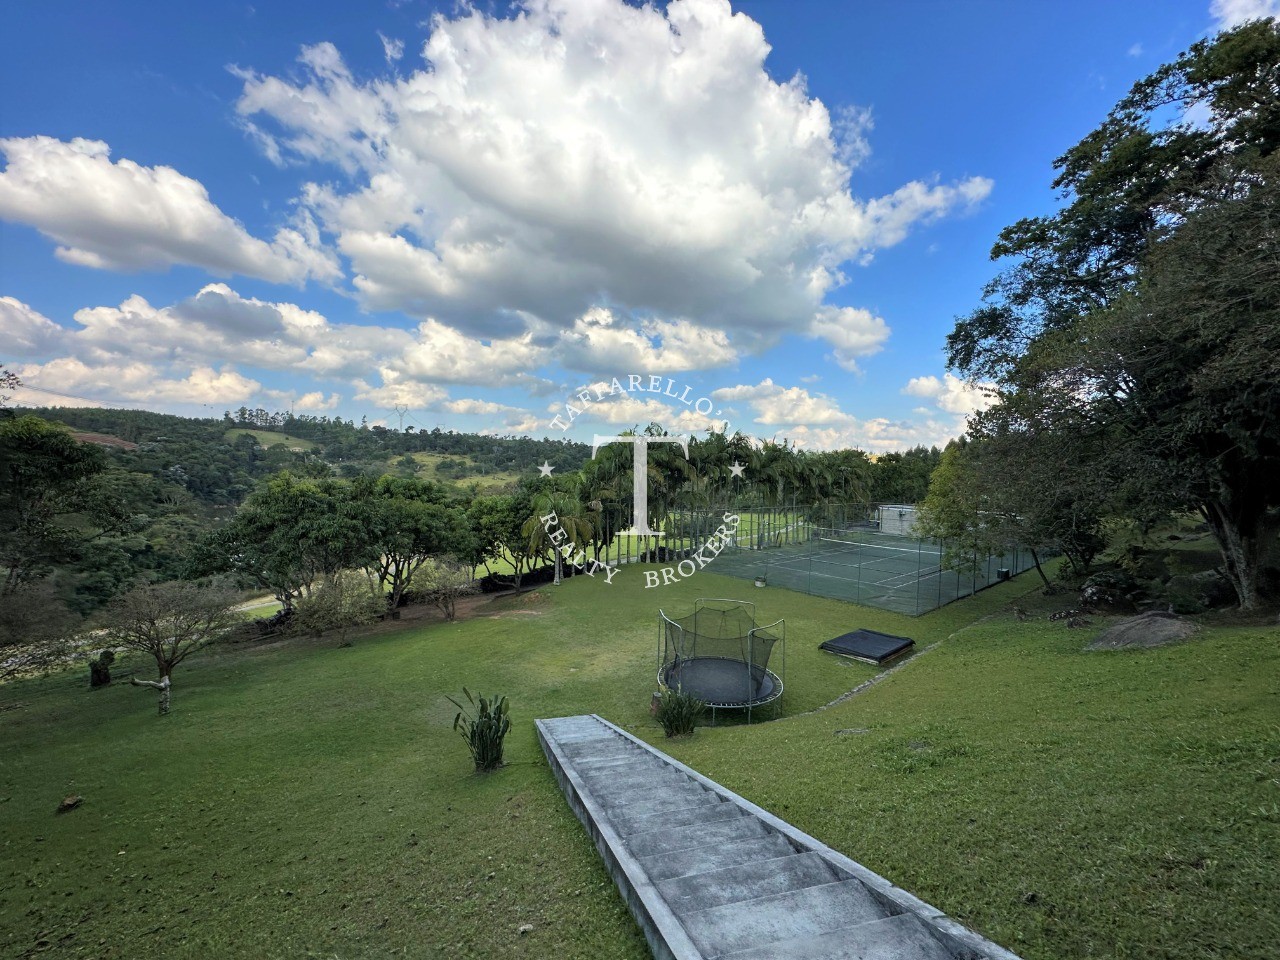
679,712
347,600
486,731
442,584
100,669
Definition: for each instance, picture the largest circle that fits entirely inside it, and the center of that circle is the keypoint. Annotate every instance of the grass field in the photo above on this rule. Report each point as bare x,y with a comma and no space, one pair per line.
485,482
271,438
305,800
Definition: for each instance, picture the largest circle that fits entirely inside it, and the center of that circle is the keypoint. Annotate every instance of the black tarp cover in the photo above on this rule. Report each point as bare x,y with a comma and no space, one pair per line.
869,645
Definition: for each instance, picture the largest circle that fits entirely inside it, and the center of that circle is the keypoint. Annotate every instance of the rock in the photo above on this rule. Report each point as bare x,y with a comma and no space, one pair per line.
1152,629
69,803
1197,592
1108,592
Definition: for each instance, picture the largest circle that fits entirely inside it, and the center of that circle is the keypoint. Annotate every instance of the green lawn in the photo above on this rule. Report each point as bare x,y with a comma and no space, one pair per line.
309,801
271,438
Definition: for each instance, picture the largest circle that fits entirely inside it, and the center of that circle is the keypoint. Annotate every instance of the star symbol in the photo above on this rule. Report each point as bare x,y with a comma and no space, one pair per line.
545,469
737,468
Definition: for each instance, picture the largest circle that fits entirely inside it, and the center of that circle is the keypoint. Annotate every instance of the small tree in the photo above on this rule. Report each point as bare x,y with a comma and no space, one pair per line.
346,600
442,583
169,622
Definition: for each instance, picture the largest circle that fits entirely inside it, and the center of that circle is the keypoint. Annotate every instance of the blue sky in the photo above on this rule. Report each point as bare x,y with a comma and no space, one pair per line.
782,205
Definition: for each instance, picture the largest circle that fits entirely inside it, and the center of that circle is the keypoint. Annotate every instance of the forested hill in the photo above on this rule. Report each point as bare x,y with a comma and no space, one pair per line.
218,460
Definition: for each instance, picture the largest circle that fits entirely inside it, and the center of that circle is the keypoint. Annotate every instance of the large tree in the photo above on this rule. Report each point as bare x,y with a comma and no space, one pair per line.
1145,308
52,501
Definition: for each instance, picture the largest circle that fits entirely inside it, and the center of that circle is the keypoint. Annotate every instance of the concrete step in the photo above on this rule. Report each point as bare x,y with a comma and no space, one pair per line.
633,777
691,836
709,875
620,797
746,881
903,937
707,813
635,759
664,804
681,863
784,916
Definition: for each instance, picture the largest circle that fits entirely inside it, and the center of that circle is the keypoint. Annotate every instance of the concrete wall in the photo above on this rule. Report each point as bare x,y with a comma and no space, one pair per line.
898,519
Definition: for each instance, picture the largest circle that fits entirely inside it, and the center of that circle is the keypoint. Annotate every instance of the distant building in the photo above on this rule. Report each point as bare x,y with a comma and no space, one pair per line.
898,519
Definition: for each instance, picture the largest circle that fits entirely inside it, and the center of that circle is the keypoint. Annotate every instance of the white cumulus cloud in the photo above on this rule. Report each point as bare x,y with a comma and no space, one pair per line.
1232,13
120,215
952,394
594,154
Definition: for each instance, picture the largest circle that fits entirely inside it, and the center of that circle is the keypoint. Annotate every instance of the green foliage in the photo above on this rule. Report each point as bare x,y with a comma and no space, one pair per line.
339,602
679,712
486,731
100,669
51,502
442,583
1138,326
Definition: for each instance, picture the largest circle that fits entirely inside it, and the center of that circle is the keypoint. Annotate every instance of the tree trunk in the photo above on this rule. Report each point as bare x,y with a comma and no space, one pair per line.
1241,544
163,686
1035,557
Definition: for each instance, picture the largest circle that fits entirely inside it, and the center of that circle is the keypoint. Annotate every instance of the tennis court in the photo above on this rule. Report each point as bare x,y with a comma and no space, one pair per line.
864,566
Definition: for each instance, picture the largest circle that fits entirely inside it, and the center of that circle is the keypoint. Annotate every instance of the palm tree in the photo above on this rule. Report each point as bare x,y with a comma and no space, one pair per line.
574,517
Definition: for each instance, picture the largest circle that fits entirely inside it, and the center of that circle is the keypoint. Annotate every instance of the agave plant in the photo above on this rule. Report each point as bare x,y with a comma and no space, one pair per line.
678,712
484,732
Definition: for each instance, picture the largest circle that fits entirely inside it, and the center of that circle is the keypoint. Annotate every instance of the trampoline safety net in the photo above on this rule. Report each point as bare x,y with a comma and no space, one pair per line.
718,654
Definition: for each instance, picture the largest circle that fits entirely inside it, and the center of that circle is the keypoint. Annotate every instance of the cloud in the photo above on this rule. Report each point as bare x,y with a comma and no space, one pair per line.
817,422
182,343
852,331
952,394
1232,13
475,407
599,343
395,391
392,50
27,332
1136,50
878,434
140,382
591,156
124,216
775,405
312,402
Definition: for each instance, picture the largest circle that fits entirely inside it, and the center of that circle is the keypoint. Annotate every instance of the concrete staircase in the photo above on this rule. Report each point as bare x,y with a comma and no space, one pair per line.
708,874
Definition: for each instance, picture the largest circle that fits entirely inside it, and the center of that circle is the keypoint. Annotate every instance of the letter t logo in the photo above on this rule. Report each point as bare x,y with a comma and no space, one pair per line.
640,471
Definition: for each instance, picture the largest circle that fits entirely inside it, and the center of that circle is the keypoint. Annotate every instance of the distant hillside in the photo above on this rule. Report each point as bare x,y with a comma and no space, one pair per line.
104,440
270,438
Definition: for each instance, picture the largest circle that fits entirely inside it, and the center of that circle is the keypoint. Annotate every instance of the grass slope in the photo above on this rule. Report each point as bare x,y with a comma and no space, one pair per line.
271,438
309,801
490,482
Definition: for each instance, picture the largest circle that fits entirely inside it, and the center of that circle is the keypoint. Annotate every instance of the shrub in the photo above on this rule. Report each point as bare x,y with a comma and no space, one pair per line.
100,669
339,603
679,712
486,731
442,583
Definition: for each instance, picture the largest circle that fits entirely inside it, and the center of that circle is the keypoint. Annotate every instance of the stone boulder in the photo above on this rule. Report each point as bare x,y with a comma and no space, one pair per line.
1110,591
1152,629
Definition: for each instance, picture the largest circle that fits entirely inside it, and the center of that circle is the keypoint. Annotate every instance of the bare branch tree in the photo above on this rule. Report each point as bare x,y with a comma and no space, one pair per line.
169,622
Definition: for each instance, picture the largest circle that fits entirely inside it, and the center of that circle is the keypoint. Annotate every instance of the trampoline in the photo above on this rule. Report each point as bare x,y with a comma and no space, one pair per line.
869,646
718,654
